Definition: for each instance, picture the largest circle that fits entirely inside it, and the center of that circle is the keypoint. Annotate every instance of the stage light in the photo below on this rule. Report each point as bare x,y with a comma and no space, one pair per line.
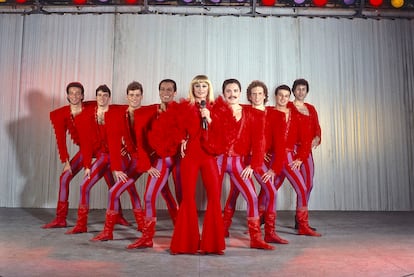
21,1
79,2
397,3
299,2
349,2
2,1
375,3
319,3
131,2
268,3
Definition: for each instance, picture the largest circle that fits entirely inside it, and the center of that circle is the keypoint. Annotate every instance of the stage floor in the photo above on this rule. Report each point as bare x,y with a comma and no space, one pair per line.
352,244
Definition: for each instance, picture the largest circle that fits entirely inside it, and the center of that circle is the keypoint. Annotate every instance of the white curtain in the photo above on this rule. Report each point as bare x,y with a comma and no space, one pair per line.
361,75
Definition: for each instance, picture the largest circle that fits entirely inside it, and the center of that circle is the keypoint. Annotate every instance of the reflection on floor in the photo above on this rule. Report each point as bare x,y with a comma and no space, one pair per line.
352,244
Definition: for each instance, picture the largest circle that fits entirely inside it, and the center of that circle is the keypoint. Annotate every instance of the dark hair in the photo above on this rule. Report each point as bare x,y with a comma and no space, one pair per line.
298,82
230,81
103,88
254,84
168,81
285,87
75,85
134,85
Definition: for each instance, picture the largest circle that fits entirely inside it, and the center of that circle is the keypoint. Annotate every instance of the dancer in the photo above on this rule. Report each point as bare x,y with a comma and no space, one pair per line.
195,121
257,94
93,143
124,153
286,134
300,89
248,139
164,158
63,122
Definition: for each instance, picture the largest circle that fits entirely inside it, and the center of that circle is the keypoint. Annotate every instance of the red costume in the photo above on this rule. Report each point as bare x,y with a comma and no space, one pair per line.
63,123
199,156
314,130
268,191
93,143
124,157
163,157
246,140
290,141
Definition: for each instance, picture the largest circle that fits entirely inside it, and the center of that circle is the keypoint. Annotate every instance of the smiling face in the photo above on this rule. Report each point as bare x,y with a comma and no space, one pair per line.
200,91
167,92
134,98
231,93
282,97
74,95
102,98
257,96
300,92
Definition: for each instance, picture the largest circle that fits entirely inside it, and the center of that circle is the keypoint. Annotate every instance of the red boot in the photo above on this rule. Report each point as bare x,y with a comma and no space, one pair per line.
121,219
256,234
107,233
61,214
139,217
81,224
227,220
147,235
302,215
270,230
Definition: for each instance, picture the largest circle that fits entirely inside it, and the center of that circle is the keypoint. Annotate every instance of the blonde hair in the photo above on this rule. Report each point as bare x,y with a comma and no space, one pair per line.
201,79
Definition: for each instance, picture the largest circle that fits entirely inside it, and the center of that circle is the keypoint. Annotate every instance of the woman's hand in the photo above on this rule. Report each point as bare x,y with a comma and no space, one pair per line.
205,113
183,147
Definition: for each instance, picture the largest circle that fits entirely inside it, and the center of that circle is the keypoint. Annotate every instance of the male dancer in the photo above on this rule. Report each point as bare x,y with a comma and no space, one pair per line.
248,139
122,137
91,126
63,121
257,94
287,132
300,89
163,159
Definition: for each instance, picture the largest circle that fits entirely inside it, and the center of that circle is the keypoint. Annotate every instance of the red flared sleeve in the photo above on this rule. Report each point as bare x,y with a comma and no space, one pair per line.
61,122
165,135
258,140
87,128
117,132
314,122
217,138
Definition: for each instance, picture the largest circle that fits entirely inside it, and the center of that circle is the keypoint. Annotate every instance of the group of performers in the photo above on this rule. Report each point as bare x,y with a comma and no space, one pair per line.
202,134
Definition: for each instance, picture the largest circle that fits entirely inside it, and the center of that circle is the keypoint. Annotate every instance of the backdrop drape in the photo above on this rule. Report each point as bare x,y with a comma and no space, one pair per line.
361,75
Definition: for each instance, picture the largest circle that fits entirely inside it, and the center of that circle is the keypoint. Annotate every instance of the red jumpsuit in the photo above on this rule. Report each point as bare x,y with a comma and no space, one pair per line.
198,159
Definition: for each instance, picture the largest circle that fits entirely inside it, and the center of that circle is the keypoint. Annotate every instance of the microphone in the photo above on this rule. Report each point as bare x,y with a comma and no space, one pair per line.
204,123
